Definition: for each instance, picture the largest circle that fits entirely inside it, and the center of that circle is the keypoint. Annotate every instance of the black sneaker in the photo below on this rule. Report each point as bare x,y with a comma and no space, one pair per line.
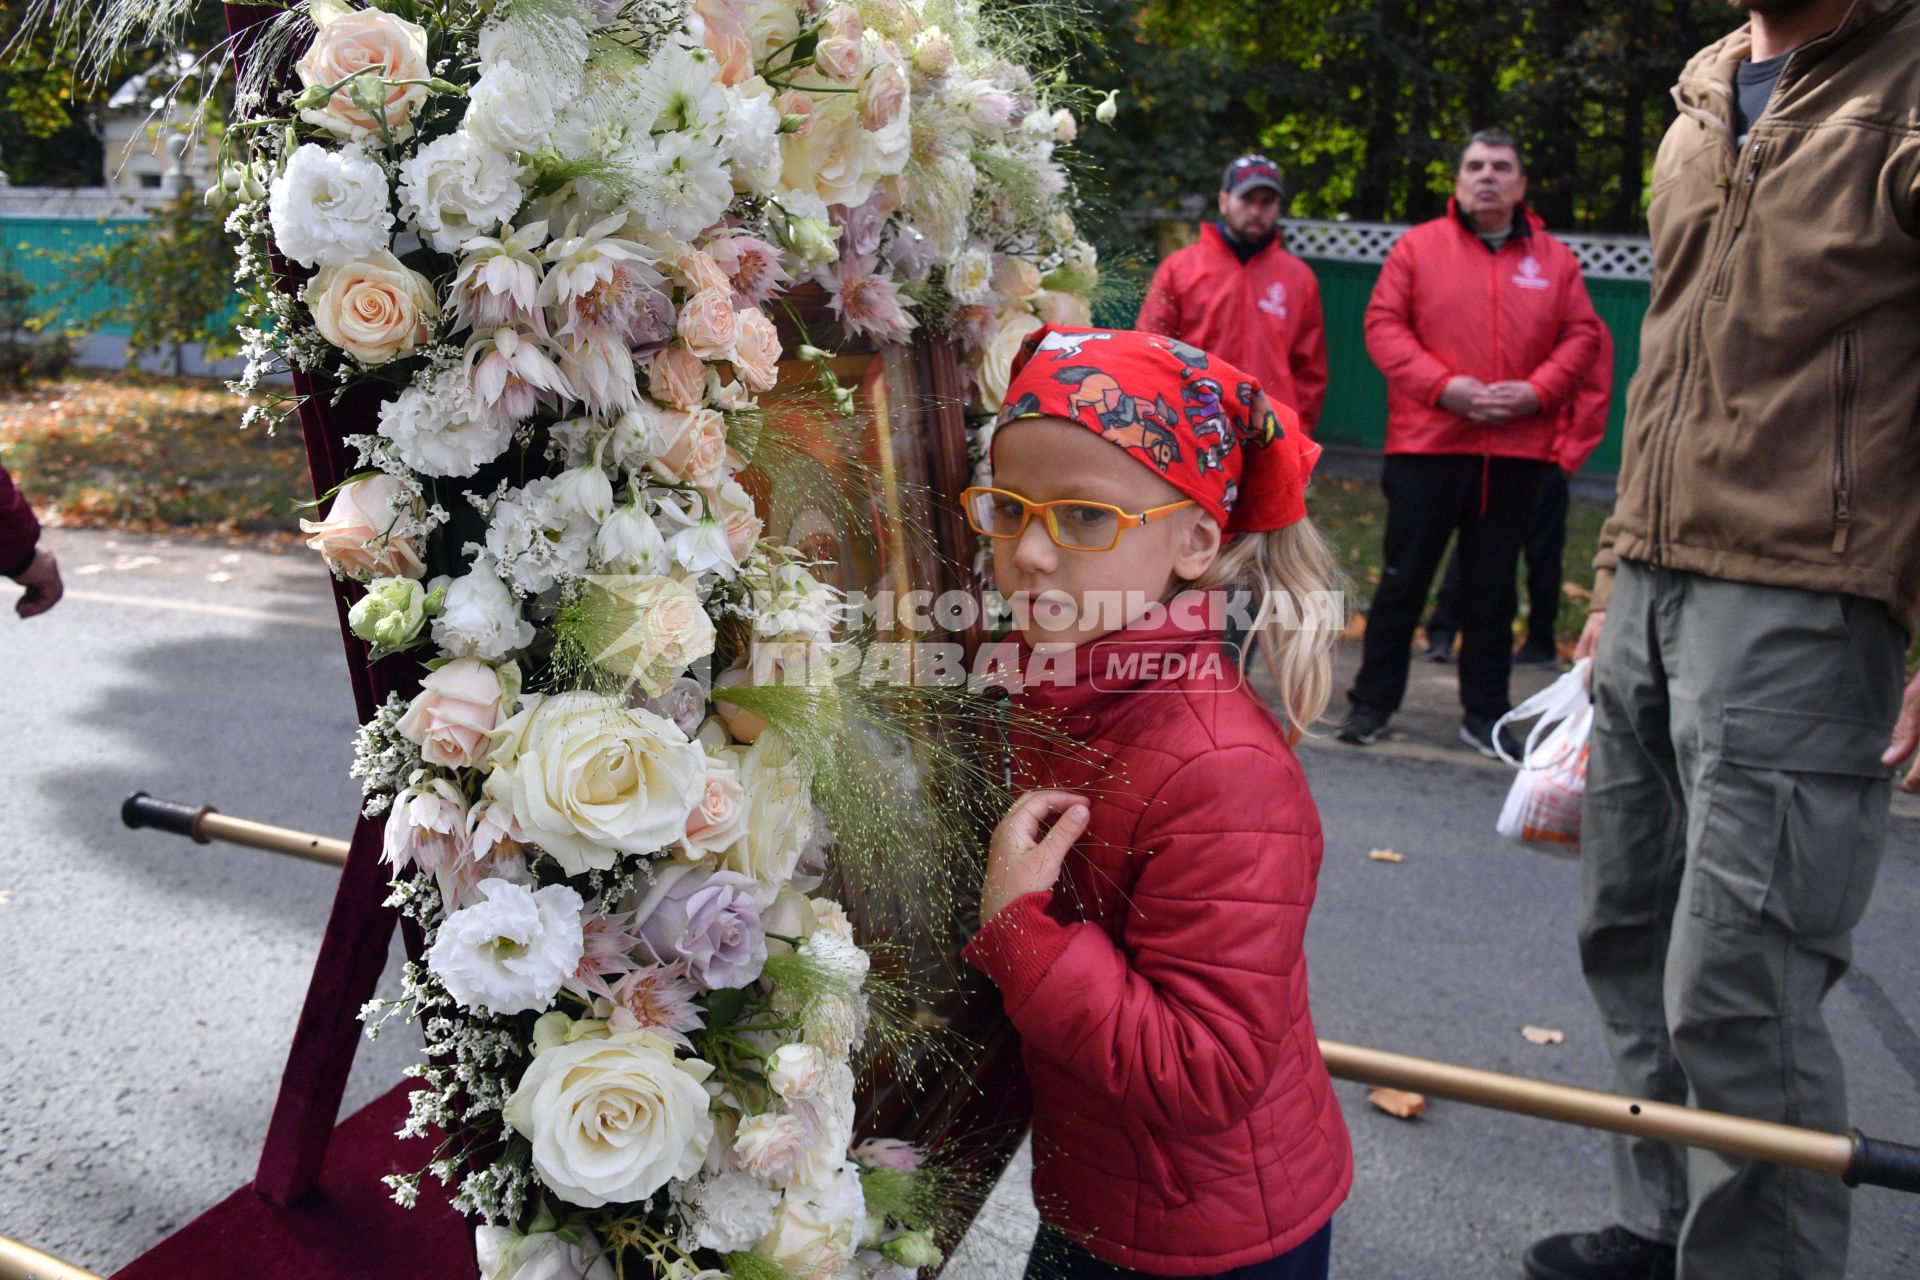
1363,726
1477,732
1439,646
1611,1253
1535,657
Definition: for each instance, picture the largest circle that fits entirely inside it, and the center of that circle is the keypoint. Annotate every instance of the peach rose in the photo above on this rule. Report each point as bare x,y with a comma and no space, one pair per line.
726,39
356,537
883,97
707,324
756,350
677,377
838,59
716,823
456,708
387,48
698,271
733,508
741,724
373,309
691,448
1016,277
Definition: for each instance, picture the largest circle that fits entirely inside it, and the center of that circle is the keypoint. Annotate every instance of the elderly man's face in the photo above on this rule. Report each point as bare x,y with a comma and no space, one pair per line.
1252,215
1489,184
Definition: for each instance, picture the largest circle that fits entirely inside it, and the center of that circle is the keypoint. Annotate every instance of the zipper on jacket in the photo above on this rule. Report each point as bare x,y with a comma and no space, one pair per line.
1742,198
1847,379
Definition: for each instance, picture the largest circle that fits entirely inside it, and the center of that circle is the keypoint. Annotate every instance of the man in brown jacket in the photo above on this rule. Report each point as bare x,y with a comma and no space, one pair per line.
1757,588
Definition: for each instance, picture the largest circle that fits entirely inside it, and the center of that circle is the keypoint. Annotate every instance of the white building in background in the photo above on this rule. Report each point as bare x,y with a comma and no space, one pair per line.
151,148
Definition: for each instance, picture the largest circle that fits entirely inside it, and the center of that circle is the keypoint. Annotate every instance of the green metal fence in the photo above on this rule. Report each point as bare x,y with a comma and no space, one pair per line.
34,247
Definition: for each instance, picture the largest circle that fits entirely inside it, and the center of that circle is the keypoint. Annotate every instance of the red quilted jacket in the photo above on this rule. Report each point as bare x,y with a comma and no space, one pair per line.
1445,305
1184,1122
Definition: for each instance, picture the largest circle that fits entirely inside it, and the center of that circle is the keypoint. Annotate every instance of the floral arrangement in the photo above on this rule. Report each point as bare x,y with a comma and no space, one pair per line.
550,235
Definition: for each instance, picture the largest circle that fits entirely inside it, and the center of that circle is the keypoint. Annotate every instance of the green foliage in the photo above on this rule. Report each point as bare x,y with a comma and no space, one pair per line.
172,278
1365,103
29,351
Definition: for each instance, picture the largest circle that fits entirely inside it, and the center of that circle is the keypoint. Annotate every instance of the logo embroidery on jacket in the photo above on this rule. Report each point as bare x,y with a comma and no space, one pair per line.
1531,275
1275,301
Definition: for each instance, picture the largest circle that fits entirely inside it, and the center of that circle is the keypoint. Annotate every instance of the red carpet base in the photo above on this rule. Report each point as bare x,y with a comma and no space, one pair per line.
346,1228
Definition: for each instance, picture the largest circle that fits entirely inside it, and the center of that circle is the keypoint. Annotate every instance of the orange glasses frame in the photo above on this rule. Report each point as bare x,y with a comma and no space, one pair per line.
1127,519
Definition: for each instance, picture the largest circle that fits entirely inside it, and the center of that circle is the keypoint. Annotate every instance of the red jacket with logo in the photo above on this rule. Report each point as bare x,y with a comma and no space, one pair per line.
1184,1123
1445,306
1263,316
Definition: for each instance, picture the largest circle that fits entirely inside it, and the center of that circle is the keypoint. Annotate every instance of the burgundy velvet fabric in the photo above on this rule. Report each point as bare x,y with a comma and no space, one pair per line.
346,1226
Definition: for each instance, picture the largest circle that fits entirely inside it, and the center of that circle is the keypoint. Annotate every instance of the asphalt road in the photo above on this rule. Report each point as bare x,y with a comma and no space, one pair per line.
151,985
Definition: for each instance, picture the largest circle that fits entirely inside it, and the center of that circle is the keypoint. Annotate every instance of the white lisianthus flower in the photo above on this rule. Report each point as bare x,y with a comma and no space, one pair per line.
681,93
970,275
588,778
510,951
613,1120
479,618
552,47
752,140
509,109
839,958
438,429
456,188
728,1212
681,183
328,208
535,540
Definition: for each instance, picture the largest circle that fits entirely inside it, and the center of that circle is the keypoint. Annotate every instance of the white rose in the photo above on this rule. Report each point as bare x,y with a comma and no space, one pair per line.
329,207
505,1254
796,1071
373,308
779,814
588,778
510,110
387,49
612,1121
456,188
832,161
996,362
511,951
970,275
766,1145
719,819
804,1242
654,628
478,618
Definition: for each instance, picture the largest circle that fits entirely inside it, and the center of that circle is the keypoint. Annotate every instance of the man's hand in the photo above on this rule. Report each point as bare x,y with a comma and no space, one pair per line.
1461,394
1506,402
1589,642
1906,736
42,581
1020,860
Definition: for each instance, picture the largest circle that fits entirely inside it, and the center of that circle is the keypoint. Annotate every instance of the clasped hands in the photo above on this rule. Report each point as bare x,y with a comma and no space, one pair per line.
1479,401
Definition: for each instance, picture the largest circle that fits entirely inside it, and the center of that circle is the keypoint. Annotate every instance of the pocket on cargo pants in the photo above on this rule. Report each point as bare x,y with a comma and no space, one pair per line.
1790,837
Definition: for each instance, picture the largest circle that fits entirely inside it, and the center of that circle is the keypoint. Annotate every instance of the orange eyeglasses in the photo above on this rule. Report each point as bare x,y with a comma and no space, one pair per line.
1078,524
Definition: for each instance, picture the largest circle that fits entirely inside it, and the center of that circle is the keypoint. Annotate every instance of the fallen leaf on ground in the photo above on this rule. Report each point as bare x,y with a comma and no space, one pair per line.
1386,855
1398,1102
1543,1035
1356,628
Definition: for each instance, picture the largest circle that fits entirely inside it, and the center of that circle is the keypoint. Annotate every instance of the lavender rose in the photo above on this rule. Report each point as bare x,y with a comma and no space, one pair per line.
709,920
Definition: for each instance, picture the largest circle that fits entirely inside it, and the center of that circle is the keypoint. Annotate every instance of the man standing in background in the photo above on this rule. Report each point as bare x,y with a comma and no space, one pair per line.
1481,324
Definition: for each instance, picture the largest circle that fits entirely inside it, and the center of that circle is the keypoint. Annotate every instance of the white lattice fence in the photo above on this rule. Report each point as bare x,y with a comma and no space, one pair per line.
1602,257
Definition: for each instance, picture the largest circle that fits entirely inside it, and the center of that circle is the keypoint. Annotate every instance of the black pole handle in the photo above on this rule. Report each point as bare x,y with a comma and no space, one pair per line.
1880,1163
142,810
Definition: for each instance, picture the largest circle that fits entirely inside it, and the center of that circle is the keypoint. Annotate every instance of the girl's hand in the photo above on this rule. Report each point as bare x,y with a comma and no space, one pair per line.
1020,860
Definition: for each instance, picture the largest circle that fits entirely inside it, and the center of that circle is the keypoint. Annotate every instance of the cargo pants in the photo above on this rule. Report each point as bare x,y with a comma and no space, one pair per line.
1735,815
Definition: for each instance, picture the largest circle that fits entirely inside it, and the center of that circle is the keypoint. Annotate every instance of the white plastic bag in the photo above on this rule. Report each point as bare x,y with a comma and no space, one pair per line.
1544,802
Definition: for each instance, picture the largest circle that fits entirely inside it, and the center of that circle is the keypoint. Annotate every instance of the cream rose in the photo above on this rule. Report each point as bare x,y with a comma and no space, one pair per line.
677,377
996,362
717,821
1060,308
884,96
690,448
838,58
733,508
657,629
707,323
832,160
766,1145
612,1121
1016,277
359,536
374,308
457,707
588,778
387,49
756,350
804,1242
779,814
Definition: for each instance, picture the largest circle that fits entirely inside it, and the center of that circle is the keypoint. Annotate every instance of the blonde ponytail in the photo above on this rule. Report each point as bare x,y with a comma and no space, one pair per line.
1299,613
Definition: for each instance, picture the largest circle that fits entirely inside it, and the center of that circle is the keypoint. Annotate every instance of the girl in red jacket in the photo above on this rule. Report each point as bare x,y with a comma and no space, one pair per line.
1148,944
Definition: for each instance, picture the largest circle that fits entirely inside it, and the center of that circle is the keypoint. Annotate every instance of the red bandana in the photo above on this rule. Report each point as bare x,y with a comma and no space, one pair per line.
1201,424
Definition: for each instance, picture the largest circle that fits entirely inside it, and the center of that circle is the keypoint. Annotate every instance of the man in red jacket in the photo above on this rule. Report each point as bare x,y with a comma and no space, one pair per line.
22,558
1583,424
1239,294
1481,323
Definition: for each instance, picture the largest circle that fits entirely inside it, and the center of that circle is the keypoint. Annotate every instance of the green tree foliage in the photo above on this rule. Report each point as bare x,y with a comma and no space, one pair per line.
1365,102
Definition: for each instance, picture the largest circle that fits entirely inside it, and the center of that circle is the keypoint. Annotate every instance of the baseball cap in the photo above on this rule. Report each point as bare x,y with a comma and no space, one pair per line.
1249,172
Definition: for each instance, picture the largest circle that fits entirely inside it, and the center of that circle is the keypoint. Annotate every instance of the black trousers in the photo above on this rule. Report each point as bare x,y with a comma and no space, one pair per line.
1543,552
1056,1256
1488,503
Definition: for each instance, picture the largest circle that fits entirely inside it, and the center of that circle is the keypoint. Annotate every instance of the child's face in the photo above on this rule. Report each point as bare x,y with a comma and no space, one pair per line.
1068,591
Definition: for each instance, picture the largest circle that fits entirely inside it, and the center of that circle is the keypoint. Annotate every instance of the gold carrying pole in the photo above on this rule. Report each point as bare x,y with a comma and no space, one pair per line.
23,1262
1854,1156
